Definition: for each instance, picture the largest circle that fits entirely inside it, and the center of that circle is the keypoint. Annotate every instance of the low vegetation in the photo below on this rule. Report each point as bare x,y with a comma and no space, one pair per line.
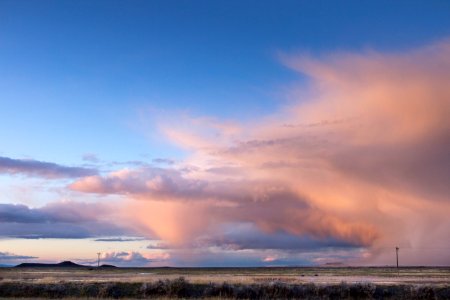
181,288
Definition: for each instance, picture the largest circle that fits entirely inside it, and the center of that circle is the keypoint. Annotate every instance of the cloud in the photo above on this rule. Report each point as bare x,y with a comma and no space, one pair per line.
159,246
66,219
212,257
35,168
243,201
132,258
397,132
119,239
247,236
163,161
90,157
125,181
359,159
270,258
11,256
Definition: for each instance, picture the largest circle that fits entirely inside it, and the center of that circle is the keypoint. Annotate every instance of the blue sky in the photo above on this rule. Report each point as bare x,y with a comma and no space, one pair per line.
79,72
113,85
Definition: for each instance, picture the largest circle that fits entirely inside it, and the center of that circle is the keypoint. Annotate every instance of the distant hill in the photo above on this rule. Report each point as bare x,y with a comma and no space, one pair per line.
64,264
107,266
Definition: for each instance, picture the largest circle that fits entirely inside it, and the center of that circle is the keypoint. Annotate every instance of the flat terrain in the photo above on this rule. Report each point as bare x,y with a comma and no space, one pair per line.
436,276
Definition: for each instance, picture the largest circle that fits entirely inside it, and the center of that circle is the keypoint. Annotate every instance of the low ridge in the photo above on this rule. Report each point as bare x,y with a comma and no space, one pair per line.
64,264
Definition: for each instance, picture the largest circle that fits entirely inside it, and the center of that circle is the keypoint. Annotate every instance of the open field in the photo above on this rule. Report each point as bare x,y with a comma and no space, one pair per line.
322,275
245,283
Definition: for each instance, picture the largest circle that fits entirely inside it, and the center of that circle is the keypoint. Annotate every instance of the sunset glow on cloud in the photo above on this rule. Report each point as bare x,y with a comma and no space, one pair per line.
354,163
358,163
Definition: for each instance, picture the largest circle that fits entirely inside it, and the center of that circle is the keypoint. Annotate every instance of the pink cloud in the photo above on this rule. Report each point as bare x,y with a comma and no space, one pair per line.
270,258
360,157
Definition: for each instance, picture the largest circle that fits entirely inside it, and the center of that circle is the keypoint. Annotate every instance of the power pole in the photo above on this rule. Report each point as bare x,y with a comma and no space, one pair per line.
98,260
396,254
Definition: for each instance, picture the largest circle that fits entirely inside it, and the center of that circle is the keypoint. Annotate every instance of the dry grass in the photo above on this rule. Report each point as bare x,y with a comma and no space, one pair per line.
228,283
433,276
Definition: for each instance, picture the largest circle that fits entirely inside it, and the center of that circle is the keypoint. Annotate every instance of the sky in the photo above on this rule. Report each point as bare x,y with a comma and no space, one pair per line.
225,133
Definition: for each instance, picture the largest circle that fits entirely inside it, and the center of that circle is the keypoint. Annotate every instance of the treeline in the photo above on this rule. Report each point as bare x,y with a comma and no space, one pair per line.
180,288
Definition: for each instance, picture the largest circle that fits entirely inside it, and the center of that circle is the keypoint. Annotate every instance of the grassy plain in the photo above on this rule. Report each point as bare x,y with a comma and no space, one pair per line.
318,275
244,283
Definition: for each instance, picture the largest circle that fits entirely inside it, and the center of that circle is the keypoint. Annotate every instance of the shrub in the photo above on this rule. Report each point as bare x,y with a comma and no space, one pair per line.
394,292
119,290
177,288
307,291
180,288
362,290
341,291
247,291
276,290
89,290
426,293
225,290
442,292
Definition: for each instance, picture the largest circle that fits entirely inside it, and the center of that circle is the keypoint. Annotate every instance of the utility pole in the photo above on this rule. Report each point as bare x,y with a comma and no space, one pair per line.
98,260
396,254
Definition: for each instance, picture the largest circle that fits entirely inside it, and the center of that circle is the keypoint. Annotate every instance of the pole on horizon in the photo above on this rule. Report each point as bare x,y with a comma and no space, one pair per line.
98,260
396,254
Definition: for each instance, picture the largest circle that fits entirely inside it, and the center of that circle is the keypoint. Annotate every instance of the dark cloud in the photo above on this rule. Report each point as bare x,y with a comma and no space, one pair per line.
44,231
17,213
66,212
58,220
37,168
248,236
11,256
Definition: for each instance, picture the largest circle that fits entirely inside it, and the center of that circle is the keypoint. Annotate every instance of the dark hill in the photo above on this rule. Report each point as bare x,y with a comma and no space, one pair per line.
107,266
64,264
